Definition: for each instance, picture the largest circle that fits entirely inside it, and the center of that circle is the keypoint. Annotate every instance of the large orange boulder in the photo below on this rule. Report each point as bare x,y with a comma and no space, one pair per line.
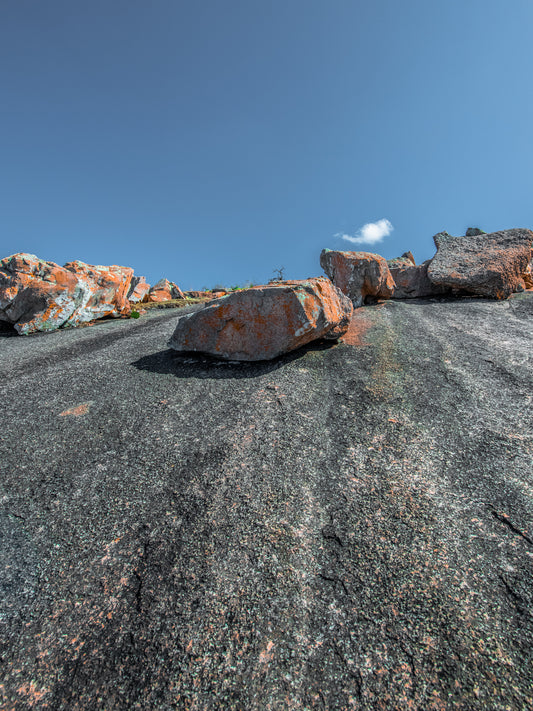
105,291
165,290
36,295
491,265
263,322
362,276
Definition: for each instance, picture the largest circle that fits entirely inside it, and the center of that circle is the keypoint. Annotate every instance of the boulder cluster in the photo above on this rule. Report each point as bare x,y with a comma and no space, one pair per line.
263,322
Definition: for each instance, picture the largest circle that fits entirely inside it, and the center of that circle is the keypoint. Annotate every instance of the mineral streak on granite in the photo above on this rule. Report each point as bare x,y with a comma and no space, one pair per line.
347,527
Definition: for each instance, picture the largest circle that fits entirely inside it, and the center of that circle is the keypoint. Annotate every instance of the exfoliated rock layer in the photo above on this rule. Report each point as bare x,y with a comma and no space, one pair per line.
491,265
36,295
359,275
263,322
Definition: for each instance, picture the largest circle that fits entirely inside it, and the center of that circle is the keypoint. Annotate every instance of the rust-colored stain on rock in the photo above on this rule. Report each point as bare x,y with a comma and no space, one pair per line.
359,325
77,411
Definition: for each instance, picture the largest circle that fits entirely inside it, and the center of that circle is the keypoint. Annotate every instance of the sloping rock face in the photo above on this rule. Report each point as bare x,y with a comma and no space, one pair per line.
105,290
138,290
491,265
165,290
359,275
412,282
263,322
36,295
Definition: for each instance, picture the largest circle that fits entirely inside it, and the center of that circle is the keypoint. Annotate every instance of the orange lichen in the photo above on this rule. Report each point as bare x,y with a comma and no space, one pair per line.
359,325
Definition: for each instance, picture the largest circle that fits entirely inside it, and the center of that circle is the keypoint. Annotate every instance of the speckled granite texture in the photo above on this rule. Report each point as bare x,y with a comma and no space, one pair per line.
347,527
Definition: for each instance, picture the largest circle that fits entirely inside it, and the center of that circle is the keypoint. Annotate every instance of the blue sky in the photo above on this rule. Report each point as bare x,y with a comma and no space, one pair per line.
213,142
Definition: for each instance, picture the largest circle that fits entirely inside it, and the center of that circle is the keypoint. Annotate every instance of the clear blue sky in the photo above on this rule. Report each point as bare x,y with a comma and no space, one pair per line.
214,141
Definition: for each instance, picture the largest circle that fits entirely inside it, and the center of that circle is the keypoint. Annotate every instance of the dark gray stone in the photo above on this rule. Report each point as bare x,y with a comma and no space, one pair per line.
486,265
344,527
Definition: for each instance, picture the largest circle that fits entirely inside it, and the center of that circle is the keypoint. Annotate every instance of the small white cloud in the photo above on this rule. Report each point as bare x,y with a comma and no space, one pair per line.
371,233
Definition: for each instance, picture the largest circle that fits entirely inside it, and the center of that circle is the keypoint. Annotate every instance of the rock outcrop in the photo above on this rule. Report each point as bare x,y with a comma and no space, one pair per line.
105,291
412,282
491,265
362,276
36,295
165,290
139,289
261,323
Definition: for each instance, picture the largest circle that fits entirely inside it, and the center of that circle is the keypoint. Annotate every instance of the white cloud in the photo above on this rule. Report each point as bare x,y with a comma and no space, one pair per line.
371,233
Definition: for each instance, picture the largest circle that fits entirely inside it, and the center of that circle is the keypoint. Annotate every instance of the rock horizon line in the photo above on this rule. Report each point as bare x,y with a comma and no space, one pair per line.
261,322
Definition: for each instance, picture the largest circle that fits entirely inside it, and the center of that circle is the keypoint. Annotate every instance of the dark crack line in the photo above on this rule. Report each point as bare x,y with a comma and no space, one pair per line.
354,674
336,581
503,518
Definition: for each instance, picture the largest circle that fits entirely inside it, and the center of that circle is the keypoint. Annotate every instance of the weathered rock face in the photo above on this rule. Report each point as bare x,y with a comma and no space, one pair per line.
138,289
197,294
105,291
406,260
412,282
263,322
487,265
528,276
359,275
165,290
36,295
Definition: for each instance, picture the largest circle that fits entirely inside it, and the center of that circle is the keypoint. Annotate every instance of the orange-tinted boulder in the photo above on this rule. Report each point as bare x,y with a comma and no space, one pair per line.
491,265
263,322
105,291
165,290
362,276
36,295
138,290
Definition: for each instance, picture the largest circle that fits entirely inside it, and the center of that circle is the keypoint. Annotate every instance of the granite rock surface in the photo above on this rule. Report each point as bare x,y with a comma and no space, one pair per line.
347,526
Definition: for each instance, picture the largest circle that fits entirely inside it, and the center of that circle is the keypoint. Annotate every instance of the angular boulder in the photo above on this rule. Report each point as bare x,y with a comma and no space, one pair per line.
138,289
36,295
490,265
362,276
105,291
165,290
412,282
263,322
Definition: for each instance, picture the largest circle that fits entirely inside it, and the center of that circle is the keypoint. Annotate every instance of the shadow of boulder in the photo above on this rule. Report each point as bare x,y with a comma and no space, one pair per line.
202,366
